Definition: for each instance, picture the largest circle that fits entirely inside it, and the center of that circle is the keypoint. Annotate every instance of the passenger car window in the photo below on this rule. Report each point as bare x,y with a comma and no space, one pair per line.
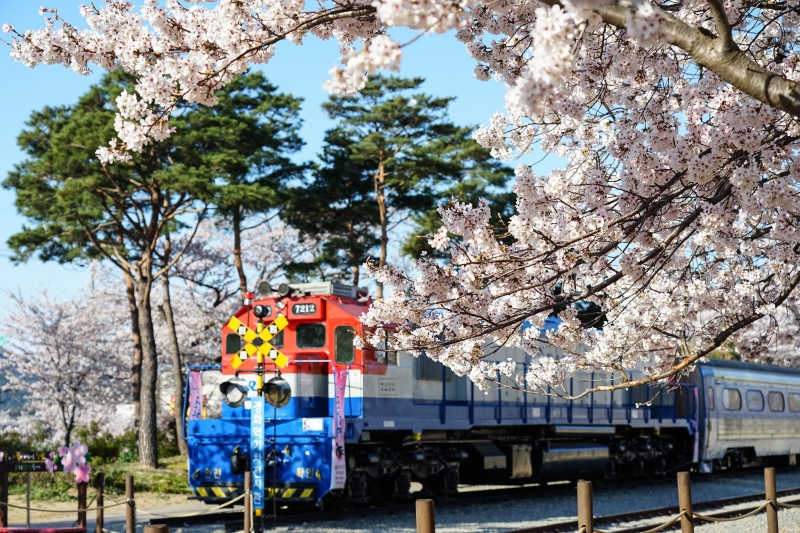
310,335
794,402
775,400
755,400
731,399
382,356
345,352
710,400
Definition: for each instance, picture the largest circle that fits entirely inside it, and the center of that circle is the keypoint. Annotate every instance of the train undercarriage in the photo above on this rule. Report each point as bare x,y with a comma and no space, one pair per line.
385,463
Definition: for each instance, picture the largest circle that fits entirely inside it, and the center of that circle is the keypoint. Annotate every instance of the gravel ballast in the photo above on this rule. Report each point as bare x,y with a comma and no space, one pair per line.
519,513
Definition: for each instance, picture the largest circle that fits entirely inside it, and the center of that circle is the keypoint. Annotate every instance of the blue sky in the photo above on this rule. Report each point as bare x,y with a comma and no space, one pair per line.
300,70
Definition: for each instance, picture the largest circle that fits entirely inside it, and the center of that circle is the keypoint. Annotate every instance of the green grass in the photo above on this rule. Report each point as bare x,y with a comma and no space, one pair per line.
169,478
116,457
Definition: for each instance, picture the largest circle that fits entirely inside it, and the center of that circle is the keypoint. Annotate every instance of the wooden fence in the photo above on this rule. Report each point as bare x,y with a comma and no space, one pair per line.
426,522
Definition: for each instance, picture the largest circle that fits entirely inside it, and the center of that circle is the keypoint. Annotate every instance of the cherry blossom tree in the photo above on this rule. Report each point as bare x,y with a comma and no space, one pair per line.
68,358
207,292
676,210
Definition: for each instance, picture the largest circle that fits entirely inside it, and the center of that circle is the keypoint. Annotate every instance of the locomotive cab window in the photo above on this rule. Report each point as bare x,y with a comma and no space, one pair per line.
755,400
731,399
775,401
277,340
345,352
310,335
233,343
794,402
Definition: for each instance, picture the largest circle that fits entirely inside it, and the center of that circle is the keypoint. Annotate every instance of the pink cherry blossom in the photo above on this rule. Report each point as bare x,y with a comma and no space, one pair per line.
50,465
82,473
675,204
68,462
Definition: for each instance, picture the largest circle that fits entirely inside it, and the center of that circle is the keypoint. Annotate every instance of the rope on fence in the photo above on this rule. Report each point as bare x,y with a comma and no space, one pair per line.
751,513
787,505
205,511
654,530
666,524
70,511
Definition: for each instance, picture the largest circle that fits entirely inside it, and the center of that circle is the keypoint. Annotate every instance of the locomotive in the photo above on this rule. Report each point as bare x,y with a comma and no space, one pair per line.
344,425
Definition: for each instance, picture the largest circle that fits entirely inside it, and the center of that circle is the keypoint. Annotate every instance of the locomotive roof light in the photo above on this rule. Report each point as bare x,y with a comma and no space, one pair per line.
277,392
234,391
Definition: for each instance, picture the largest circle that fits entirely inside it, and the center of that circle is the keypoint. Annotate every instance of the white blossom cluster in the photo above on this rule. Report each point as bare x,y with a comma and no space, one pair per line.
677,209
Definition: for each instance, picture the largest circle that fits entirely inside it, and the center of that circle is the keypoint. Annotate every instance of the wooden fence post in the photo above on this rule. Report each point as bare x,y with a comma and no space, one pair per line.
426,520
82,504
685,502
3,499
585,508
772,499
99,485
27,499
130,509
248,512
156,528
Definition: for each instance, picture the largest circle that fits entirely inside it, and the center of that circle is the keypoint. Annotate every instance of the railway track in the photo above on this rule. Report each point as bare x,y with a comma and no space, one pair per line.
618,521
232,519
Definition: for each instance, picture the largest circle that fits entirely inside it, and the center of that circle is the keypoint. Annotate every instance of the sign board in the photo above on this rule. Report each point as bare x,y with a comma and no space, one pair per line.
258,342
23,461
338,464
257,450
195,395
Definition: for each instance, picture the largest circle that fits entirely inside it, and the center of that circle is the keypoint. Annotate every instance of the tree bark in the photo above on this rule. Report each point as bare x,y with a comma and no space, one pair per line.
353,254
380,188
148,435
237,251
177,365
136,365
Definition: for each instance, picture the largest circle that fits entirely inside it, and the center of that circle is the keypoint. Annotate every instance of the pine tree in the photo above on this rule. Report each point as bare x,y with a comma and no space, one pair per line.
80,209
394,152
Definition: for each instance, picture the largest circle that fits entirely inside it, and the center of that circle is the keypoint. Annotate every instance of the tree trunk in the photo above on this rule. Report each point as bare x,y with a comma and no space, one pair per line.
148,435
69,427
237,251
136,366
177,366
353,254
380,188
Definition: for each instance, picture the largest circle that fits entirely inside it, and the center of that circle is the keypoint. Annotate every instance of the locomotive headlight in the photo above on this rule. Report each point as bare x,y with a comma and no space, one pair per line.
234,392
277,392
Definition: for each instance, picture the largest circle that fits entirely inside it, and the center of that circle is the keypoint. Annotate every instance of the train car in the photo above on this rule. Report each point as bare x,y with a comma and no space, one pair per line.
349,425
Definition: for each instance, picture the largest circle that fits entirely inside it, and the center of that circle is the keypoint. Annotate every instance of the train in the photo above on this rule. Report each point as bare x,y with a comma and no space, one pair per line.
339,425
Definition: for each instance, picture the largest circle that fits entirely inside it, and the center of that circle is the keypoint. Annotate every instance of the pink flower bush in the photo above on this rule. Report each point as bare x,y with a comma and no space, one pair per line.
82,473
73,460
